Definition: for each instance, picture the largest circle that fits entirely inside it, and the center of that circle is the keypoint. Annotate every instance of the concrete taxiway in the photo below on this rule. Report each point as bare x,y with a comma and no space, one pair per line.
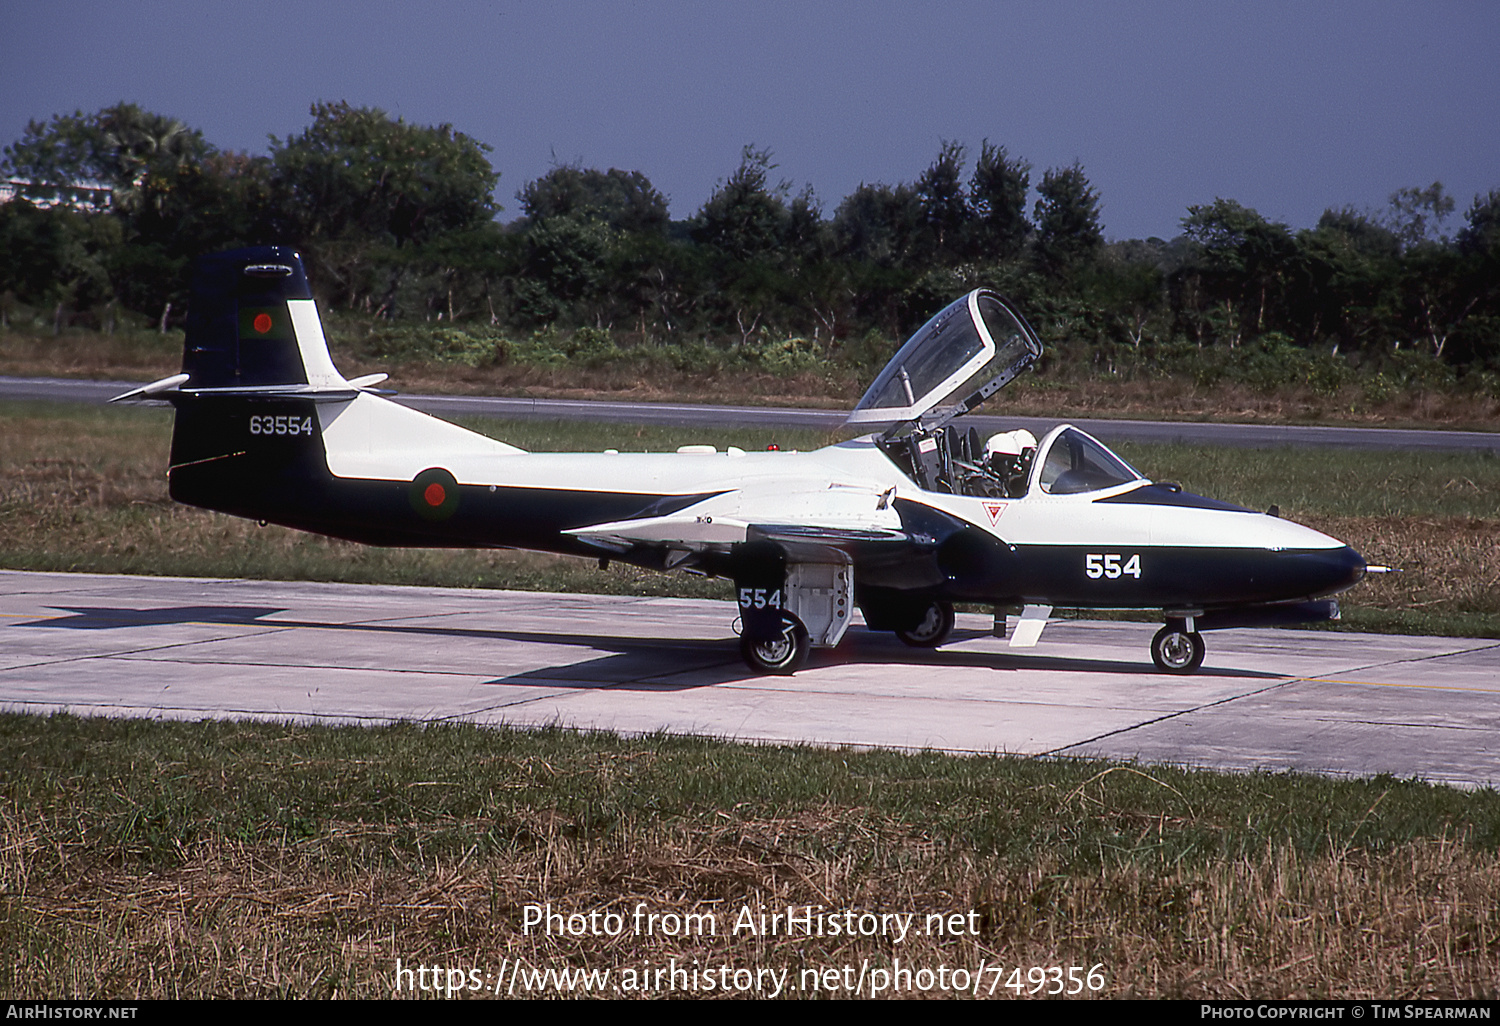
1355,704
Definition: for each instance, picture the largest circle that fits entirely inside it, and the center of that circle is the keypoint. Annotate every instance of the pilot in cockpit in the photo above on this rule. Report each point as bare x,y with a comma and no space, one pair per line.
1007,459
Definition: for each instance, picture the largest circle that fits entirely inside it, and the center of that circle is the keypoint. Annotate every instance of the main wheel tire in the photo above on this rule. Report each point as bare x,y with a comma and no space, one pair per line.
933,629
1177,651
783,655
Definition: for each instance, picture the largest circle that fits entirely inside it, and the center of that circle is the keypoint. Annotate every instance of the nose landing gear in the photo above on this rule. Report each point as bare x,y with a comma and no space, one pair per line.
1177,648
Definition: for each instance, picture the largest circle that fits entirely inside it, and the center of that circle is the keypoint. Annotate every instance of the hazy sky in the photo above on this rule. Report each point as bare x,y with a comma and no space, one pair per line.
1287,107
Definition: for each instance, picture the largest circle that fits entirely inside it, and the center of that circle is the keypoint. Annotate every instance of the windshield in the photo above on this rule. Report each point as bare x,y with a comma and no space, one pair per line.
967,351
1074,463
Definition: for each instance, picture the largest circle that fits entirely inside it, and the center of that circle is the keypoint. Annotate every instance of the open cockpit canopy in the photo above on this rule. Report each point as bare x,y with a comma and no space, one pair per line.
960,358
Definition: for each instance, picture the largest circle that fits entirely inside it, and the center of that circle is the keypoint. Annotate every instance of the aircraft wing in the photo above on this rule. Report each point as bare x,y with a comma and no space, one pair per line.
827,516
684,531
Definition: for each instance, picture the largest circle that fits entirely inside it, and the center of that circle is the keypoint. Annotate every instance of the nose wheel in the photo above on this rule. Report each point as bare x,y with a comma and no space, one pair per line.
1175,649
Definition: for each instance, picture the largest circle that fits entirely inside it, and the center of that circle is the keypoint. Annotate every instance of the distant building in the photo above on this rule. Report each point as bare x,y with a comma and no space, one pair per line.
88,197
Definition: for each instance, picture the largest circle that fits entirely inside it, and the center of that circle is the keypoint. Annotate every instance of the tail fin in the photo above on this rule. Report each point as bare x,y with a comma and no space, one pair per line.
267,428
247,437
253,325
253,330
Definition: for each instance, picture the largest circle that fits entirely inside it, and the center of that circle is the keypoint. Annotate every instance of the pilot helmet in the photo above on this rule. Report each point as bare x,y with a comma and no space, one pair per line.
1009,443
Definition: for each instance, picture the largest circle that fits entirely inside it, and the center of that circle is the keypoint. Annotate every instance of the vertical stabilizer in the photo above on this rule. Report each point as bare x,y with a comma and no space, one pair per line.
267,428
253,325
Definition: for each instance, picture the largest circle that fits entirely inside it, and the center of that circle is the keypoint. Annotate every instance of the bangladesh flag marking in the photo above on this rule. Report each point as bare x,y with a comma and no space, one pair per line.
265,324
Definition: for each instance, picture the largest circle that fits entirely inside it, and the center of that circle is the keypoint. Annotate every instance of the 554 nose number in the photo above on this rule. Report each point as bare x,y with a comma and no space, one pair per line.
1109,565
760,598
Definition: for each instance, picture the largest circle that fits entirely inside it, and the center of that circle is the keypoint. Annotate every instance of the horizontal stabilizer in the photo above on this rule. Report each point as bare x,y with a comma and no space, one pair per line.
171,388
253,332
317,393
153,390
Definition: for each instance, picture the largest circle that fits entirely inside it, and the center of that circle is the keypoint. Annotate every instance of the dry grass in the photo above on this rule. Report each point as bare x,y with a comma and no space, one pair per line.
127,356
157,860
1446,562
241,920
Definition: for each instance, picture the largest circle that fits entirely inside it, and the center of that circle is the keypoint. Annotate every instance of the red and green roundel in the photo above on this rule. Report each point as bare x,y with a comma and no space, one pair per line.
434,494
265,323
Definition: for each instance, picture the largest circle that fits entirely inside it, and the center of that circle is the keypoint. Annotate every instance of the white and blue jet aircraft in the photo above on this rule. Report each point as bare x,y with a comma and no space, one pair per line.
900,524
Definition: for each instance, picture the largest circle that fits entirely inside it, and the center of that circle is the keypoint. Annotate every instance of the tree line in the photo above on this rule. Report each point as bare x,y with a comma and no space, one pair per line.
399,222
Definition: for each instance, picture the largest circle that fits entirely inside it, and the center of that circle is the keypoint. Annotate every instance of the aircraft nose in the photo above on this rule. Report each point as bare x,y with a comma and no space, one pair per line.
1328,571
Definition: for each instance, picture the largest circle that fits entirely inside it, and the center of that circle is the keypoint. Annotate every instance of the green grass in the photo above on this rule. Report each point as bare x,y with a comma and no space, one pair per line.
1331,482
146,791
149,859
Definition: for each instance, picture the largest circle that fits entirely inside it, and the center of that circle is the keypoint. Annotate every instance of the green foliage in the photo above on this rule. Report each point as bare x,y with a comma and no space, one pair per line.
356,182
867,353
745,217
1273,362
54,256
945,205
586,346
397,220
624,200
120,147
787,355
564,268
879,224
470,346
923,297
1413,371
998,193
1481,236
171,196
1416,215
1244,262
1067,219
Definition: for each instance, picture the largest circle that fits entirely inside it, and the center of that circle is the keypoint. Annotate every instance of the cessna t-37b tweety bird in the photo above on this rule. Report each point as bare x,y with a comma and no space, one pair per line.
900,524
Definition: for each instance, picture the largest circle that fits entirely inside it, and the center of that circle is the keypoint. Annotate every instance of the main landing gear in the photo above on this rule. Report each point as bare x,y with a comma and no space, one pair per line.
932,629
1177,648
788,609
784,654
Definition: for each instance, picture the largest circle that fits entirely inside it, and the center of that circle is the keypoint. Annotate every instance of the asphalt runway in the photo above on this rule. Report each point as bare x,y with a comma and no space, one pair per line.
694,415
176,648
